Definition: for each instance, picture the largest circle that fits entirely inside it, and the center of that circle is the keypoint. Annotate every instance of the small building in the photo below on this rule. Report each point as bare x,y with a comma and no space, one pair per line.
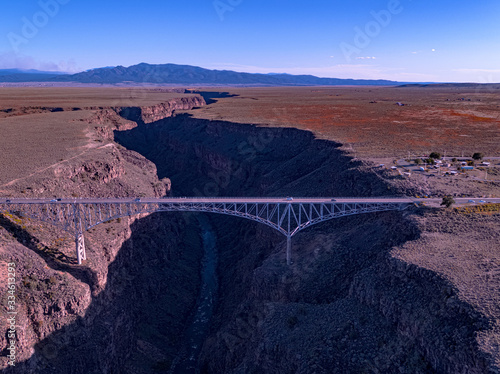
467,167
484,163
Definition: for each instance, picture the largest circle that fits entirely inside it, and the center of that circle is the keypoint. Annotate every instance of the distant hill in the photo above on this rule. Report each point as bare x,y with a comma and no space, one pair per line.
28,72
454,85
187,74
31,75
194,75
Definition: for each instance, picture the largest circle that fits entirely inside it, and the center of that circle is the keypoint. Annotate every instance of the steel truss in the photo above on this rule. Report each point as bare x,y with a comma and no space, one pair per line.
287,217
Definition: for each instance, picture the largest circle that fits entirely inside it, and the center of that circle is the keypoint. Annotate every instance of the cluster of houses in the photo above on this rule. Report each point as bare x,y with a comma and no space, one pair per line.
464,165
442,166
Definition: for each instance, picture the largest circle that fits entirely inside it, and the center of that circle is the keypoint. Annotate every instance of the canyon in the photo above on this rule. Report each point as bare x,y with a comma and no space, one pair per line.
360,297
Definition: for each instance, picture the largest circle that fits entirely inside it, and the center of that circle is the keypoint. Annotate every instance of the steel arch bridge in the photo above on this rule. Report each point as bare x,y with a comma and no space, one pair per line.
286,215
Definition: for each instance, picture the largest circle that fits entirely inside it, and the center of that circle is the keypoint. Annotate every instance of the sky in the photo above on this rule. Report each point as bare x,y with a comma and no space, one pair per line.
403,40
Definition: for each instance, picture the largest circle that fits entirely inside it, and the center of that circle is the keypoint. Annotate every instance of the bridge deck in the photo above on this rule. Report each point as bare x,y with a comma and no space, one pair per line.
285,214
270,200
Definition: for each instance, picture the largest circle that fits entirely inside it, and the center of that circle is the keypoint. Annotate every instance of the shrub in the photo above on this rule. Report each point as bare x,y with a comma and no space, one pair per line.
477,156
435,155
448,201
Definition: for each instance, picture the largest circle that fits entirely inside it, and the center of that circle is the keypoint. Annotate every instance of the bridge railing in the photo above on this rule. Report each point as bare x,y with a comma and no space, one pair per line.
286,216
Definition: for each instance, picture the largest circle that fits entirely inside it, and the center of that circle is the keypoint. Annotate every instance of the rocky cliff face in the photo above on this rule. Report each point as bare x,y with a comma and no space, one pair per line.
75,318
346,305
126,118
164,110
217,158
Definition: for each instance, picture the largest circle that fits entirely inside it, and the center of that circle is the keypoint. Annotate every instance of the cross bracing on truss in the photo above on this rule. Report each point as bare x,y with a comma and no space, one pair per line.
285,215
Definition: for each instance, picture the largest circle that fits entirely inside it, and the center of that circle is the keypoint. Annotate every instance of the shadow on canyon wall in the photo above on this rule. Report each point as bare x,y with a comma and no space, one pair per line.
344,306
210,96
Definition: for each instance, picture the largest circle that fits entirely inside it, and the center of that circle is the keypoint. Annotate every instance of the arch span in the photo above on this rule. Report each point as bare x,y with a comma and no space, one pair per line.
286,215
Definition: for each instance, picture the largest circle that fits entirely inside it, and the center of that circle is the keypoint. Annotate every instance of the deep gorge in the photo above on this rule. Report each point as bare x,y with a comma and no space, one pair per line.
344,306
373,306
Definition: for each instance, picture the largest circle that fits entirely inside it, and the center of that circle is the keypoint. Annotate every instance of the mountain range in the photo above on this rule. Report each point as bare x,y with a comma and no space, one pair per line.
180,74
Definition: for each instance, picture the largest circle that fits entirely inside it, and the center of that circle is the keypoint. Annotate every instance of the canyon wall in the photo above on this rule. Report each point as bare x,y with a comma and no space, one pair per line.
80,318
346,304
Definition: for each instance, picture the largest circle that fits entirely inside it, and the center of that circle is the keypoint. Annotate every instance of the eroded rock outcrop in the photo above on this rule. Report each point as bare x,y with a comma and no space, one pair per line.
164,110
346,305
80,318
126,118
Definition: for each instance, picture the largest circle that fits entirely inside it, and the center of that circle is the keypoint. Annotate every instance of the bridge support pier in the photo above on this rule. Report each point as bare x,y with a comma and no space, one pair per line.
80,248
79,229
288,249
285,215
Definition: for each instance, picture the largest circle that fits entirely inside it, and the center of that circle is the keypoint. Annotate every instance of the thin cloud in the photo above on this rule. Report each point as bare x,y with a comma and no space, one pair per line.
366,58
343,71
467,71
10,60
479,75
417,52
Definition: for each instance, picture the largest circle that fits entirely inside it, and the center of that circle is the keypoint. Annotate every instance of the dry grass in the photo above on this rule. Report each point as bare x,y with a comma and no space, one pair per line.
433,119
33,142
78,97
481,209
41,127
462,246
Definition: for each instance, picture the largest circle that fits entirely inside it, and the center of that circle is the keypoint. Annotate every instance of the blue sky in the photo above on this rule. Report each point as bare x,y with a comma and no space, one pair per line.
405,40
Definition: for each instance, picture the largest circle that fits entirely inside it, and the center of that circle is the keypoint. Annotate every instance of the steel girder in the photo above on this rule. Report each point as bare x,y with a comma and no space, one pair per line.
286,217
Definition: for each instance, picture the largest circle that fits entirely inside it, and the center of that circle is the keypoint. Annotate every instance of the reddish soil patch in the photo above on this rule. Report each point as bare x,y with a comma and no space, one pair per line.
369,118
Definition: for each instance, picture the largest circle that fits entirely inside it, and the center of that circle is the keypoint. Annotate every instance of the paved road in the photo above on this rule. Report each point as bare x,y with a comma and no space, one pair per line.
270,200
